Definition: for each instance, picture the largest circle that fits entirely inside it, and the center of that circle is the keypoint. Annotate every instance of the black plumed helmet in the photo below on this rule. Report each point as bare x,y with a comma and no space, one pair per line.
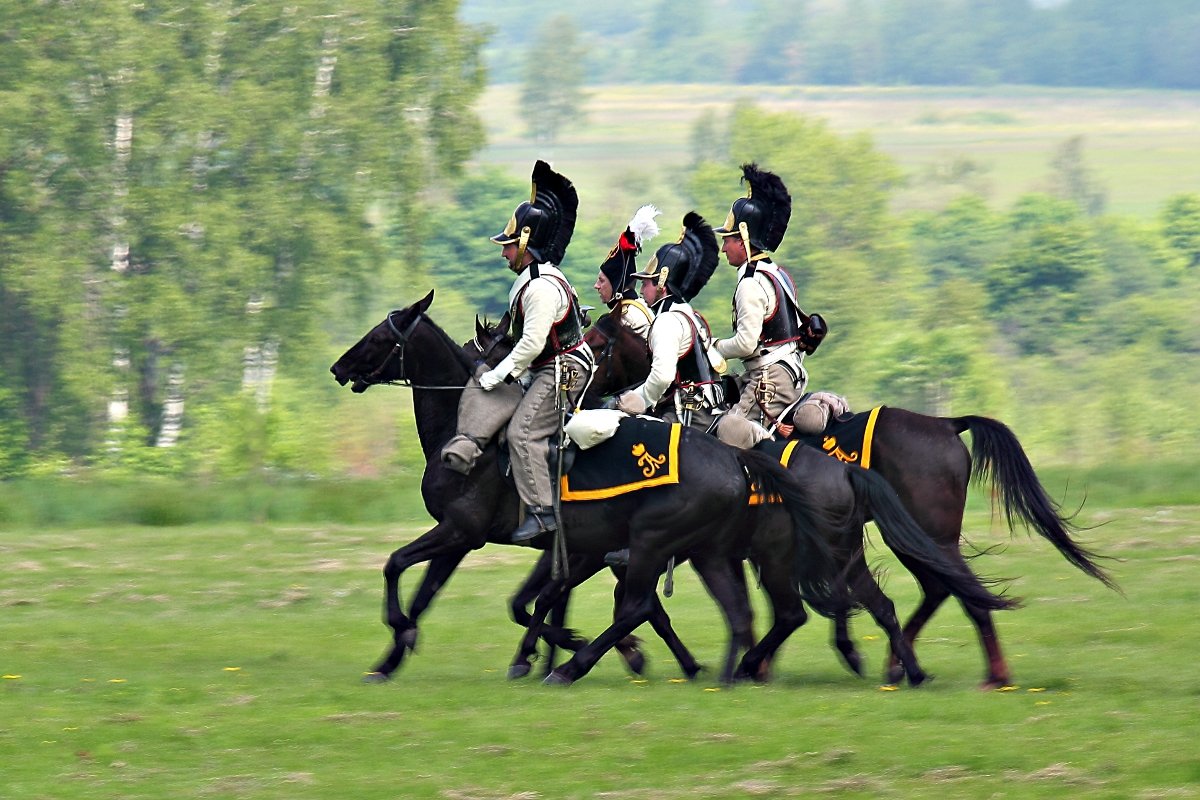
764,211
544,224
685,266
621,262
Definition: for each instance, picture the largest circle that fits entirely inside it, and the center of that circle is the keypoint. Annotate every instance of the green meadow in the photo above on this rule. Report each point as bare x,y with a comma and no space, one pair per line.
222,659
1139,144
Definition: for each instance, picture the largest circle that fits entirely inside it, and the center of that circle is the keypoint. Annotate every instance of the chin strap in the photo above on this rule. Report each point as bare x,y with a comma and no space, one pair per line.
522,245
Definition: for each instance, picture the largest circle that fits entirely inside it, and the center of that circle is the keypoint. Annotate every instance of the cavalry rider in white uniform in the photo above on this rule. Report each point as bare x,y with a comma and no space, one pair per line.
615,283
683,385
547,327
770,332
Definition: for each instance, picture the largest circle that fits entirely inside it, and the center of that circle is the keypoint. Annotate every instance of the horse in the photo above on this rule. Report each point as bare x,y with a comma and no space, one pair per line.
687,519
847,496
930,468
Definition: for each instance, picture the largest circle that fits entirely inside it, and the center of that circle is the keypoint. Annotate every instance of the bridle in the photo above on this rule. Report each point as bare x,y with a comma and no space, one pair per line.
400,341
610,344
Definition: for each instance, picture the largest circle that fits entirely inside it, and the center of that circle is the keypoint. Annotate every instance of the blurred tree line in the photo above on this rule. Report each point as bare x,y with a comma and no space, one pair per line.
202,206
189,198
1109,43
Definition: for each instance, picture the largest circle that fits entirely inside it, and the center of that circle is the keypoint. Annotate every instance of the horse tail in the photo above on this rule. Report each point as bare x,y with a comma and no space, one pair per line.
999,460
817,569
904,536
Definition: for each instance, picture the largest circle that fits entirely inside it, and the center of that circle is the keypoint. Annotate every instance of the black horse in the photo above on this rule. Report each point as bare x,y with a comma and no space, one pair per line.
690,519
930,468
848,497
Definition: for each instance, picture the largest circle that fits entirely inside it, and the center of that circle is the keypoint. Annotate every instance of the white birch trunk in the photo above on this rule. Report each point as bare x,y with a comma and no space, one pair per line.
118,403
172,415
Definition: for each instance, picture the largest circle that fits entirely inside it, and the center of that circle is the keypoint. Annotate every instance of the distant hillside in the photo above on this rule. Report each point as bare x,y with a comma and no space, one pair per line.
1094,43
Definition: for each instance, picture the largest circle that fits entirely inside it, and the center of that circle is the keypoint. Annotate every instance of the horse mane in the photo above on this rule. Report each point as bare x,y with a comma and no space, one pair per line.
455,349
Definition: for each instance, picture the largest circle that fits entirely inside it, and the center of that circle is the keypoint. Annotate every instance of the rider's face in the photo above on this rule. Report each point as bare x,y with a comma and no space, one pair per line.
603,287
651,292
735,250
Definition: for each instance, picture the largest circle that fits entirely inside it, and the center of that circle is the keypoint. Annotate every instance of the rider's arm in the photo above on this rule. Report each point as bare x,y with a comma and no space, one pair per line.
543,303
751,301
667,336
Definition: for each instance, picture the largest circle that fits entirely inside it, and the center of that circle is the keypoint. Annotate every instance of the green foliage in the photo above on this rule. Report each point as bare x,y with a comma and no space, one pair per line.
552,76
182,185
1181,226
882,42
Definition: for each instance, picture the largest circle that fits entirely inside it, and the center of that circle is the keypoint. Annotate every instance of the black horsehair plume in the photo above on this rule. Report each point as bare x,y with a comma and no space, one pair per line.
701,235
566,202
770,189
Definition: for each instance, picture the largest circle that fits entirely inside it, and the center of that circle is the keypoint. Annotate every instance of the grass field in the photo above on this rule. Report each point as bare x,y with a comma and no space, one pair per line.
1141,145
223,661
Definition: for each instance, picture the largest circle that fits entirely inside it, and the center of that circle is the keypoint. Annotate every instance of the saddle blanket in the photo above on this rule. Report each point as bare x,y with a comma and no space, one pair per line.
781,450
644,452
847,439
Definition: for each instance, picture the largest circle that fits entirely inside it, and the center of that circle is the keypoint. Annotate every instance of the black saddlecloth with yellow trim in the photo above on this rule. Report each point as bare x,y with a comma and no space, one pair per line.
644,452
847,440
782,451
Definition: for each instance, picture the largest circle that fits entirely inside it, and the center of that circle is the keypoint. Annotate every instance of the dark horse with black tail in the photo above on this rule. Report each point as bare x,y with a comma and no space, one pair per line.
930,468
847,498
687,519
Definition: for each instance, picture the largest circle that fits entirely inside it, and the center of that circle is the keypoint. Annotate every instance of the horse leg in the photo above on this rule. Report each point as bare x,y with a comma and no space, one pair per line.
997,668
443,540
436,575
845,645
661,622
789,614
579,569
866,591
630,646
637,601
718,576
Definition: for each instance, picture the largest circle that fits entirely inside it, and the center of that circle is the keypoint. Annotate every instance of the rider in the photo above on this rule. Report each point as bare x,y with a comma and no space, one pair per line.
682,376
615,283
770,332
548,354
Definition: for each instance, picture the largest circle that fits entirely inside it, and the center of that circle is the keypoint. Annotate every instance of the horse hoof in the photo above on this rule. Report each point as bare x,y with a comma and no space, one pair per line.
993,685
692,672
894,675
517,671
918,678
636,661
557,679
375,677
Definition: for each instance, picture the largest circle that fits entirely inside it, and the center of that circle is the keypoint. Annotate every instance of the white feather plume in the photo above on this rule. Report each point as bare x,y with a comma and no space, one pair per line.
643,225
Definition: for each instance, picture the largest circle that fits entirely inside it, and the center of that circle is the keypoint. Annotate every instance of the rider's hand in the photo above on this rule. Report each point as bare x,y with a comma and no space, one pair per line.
491,379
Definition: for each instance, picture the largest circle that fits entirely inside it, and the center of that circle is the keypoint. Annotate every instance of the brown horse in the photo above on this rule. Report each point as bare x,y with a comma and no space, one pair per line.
930,468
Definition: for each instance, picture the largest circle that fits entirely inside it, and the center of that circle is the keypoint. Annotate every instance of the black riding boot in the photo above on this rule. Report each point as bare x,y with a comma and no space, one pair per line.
538,520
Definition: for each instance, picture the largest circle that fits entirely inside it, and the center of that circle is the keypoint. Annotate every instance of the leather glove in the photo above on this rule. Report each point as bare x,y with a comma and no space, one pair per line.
491,379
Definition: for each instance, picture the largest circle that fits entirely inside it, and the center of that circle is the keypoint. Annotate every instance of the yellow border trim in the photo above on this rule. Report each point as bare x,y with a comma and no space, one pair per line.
671,476
785,458
868,435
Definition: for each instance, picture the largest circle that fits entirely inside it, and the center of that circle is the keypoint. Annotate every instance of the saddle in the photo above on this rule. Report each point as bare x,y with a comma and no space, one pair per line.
642,452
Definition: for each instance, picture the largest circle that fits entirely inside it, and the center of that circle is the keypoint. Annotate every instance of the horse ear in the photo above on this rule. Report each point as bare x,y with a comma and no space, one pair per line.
503,325
480,328
424,303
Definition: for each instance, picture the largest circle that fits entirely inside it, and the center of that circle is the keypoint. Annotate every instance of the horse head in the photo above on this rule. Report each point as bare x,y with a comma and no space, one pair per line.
406,346
492,341
622,357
